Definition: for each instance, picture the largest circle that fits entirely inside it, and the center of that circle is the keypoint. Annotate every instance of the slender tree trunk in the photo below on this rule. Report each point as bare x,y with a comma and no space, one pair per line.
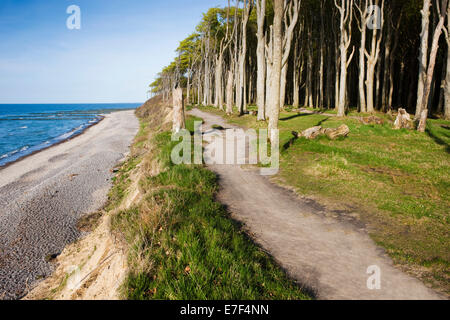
447,74
261,60
362,58
431,64
230,92
447,89
423,55
273,100
284,71
291,14
387,57
372,60
346,13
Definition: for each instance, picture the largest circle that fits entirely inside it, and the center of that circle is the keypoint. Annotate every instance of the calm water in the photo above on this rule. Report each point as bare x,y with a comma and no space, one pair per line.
26,128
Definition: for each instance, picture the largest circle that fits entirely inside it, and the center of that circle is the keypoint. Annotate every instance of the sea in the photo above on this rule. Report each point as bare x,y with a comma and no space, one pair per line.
28,128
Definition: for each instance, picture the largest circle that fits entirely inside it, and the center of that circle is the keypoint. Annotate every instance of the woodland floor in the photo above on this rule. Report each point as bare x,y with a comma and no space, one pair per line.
392,185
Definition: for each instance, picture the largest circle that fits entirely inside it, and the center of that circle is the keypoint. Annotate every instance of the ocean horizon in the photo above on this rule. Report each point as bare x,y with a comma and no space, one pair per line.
28,128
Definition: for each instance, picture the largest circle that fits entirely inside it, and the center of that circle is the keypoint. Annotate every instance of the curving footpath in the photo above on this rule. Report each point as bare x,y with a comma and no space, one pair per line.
327,256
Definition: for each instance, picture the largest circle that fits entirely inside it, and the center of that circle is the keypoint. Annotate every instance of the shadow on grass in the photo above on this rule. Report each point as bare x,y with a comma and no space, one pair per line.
438,140
296,116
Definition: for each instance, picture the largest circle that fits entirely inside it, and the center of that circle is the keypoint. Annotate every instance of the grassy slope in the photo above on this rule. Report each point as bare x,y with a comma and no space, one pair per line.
182,243
398,180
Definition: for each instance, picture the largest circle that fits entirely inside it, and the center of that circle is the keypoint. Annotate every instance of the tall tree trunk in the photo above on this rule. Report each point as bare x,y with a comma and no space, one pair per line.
321,63
261,60
387,57
230,82
362,24
447,89
372,60
423,55
431,64
447,74
346,13
206,88
273,100
291,14
241,84
218,101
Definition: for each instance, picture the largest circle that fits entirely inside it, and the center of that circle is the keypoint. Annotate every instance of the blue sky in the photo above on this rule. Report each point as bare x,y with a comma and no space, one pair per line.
120,48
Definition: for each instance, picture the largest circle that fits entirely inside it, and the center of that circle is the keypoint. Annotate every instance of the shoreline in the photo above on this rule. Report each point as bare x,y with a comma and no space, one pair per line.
43,196
56,143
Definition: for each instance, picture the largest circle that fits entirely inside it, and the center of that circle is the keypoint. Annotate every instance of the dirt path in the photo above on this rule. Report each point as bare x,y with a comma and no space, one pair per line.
330,257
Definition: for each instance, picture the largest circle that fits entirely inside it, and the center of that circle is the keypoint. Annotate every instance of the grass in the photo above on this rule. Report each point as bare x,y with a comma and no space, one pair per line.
182,243
397,181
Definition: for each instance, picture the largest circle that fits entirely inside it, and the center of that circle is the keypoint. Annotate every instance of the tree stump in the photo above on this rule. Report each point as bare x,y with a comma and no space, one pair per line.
178,110
403,120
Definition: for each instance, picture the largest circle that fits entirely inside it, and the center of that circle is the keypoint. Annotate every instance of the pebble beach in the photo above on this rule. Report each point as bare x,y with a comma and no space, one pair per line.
43,196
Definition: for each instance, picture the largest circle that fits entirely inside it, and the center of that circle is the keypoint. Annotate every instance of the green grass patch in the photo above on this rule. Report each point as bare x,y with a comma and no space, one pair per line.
183,244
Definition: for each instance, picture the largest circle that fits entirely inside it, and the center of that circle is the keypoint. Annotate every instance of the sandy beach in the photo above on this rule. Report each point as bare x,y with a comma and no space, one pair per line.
43,196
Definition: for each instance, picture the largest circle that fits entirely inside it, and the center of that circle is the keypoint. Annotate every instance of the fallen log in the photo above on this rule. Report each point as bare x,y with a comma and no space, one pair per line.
372,120
342,131
312,133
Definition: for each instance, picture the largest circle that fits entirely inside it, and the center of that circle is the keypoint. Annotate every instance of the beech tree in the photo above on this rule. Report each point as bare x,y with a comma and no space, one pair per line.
423,54
442,12
232,57
346,13
261,58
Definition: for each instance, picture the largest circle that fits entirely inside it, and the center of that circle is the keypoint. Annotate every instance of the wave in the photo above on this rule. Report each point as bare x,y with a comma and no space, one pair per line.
84,120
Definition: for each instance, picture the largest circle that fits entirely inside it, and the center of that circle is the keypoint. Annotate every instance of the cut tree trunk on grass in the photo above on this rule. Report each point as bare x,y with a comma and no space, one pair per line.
342,131
403,120
312,133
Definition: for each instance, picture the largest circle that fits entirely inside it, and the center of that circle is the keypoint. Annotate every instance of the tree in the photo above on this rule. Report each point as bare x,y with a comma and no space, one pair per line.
363,9
261,60
241,103
345,26
275,62
447,74
372,57
290,21
442,12
423,54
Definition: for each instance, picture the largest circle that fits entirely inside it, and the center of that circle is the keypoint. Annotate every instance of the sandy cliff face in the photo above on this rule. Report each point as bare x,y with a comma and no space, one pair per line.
95,266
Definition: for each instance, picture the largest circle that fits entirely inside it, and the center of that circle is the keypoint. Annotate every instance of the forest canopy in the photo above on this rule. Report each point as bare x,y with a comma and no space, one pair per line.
365,55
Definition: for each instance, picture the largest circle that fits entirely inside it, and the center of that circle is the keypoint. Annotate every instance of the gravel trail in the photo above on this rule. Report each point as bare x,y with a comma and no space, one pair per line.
43,196
328,256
